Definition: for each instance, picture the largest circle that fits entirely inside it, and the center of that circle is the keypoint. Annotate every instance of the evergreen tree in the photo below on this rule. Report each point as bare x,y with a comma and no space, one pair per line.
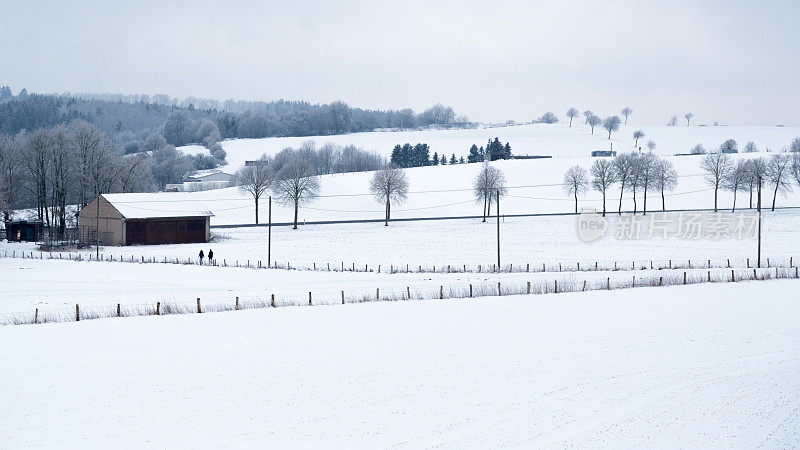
453,159
435,159
461,161
474,154
481,155
397,158
444,160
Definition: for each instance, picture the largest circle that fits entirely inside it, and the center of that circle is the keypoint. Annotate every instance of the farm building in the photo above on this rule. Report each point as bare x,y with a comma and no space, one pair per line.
203,180
22,230
129,219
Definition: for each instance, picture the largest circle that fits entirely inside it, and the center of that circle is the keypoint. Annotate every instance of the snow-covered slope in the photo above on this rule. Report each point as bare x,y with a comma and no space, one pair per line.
444,191
558,140
705,366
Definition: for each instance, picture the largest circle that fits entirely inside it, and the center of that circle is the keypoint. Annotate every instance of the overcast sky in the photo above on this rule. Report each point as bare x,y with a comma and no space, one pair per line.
733,61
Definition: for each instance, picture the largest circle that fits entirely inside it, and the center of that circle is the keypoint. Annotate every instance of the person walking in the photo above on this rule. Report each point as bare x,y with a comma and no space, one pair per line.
211,257
201,257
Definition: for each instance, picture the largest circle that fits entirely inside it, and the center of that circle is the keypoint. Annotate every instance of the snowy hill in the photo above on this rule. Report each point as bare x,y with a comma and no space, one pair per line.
558,140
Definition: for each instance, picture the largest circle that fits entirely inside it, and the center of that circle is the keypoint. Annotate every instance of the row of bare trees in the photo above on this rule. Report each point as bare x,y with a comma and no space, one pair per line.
49,169
777,173
633,171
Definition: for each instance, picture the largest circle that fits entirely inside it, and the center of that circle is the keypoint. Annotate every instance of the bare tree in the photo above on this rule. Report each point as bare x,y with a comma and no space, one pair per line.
672,121
576,181
624,168
778,169
716,166
698,150
92,155
796,167
611,124
572,113
593,121
10,172
688,116
389,185
586,114
666,178
647,170
651,145
296,185
626,111
794,147
729,146
750,147
758,171
35,162
736,178
603,176
255,179
638,134
489,181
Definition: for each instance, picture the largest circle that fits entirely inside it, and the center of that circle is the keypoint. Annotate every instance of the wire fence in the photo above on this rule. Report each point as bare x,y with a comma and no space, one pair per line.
341,266
455,291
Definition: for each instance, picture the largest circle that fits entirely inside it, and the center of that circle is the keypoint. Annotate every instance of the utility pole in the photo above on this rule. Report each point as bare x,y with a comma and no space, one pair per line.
498,229
97,229
269,234
759,221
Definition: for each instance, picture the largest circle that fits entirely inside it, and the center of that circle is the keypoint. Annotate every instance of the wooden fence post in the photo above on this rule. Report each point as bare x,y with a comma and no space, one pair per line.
684,277
470,290
309,298
733,278
584,285
272,299
77,313
441,292
499,292
158,308
660,281
408,293
748,263
198,305
556,287
119,310
377,293
528,267
633,283
343,297
608,283
529,287
709,276
237,303
36,316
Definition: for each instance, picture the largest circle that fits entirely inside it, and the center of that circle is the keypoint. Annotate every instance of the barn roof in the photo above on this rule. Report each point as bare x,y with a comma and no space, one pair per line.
158,205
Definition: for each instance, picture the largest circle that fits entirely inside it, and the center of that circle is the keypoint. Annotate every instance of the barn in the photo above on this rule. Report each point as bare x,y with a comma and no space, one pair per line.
131,219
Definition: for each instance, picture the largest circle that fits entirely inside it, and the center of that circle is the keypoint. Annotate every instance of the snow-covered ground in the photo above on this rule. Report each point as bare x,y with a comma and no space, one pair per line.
705,366
557,140
535,186
534,240
54,287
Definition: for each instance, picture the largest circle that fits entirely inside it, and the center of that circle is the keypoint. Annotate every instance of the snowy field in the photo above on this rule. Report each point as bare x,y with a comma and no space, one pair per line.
534,186
557,140
55,287
705,366
528,240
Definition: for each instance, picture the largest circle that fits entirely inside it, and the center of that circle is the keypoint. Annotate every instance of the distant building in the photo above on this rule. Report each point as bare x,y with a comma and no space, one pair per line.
128,219
203,180
599,153
24,231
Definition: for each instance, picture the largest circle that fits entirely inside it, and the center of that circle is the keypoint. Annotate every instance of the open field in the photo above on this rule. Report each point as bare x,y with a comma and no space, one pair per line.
530,240
557,140
696,366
